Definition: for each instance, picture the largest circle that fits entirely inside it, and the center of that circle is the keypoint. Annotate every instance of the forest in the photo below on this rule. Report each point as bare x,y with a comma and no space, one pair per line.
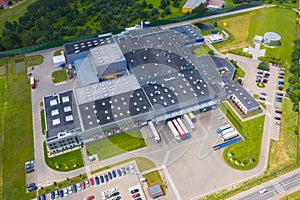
47,21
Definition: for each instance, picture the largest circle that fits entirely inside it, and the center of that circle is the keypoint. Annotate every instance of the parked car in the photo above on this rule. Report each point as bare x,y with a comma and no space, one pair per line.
260,72
30,185
135,195
119,172
281,77
32,188
74,188
278,99
43,197
106,177
281,73
263,93
38,198
113,172
258,80
79,186
115,194
281,69
29,166
66,192
277,118
261,98
139,198
277,123
52,195
92,181
56,193
61,193
134,191
280,94
29,170
97,180
83,185
265,80
123,171
109,175
91,197
278,111
87,183
70,190
262,191
101,179
281,83
258,77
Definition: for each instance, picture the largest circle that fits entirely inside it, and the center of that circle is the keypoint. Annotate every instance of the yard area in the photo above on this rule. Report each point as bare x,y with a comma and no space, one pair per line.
16,141
116,144
59,76
64,162
245,154
33,60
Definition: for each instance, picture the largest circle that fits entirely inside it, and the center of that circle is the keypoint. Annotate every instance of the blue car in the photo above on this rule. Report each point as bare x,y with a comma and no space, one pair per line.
114,173
134,191
38,198
74,188
97,180
43,197
101,179
52,195
278,99
61,193
119,172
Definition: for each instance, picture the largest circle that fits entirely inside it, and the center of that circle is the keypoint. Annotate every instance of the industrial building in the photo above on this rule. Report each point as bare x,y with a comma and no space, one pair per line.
161,79
190,5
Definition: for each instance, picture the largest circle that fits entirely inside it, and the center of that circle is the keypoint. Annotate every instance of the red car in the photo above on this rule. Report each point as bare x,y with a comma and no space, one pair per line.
91,197
83,185
136,195
92,181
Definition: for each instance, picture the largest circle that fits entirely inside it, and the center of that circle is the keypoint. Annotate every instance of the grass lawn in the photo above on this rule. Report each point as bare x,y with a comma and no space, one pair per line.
64,162
242,152
16,141
283,152
116,144
154,178
14,13
59,76
142,163
58,52
239,73
43,121
33,60
293,196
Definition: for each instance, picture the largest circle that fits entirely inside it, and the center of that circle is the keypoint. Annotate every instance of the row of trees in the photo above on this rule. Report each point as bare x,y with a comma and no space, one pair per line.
294,80
46,21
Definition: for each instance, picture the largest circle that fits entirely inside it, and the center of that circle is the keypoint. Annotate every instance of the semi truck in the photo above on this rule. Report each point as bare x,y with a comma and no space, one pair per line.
227,131
185,130
192,117
179,129
154,131
189,122
230,135
32,82
174,131
223,128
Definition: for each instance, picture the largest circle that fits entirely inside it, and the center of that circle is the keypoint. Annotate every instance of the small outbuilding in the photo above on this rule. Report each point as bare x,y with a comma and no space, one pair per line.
59,61
155,191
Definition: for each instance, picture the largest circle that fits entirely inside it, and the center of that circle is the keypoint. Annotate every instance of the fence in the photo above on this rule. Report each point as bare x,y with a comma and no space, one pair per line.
53,44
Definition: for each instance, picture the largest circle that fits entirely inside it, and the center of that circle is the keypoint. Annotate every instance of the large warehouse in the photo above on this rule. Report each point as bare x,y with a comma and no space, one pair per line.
162,80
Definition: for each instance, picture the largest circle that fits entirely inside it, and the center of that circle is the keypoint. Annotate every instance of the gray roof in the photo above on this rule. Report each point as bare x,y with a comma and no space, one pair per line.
188,34
193,3
239,91
86,72
61,113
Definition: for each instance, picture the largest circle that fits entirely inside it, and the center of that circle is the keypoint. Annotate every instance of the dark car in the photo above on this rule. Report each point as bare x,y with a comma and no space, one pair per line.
29,166
278,99
52,195
32,188
281,74
134,191
260,72
115,194
30,185
74,188
106,177
139,198
127,169
266,75
280,94
263,93
43,197
123,171
277,118
258,77
101,179
109,175
118,197
278,111
119,172
61,193
258,80
280,83
113,172
97,180
265,80
29,170
281,77
261,98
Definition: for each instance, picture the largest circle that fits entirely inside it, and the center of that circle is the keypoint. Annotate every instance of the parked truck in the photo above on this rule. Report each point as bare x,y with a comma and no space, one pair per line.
230,135
174,131
192,117
223,128
189,122
185,130
32,82
154,131
179,129
227,131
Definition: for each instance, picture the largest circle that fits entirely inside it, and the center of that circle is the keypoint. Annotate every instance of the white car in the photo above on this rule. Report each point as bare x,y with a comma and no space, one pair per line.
70,190
262,191
78,186
66,192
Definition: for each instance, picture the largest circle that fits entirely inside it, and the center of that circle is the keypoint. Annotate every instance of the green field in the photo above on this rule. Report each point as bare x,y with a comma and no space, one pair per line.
116,144
16,141
246,153
59,76
154,178
33,60
64,162
43,121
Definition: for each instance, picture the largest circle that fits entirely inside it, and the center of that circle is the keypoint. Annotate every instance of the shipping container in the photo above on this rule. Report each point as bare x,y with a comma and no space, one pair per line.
185,130
189,122
222,128
174,131
154,131
192,117
179,129
230,135
227,131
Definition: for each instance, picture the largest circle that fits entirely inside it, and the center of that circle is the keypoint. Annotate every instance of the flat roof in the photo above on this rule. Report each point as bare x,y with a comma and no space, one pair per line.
85,45
239,91
188,34
61,113
193,3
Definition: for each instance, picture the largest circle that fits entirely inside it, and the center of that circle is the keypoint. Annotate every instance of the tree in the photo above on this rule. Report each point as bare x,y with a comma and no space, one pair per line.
264,65
144,4
150,5
176,3
167,11
215,24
